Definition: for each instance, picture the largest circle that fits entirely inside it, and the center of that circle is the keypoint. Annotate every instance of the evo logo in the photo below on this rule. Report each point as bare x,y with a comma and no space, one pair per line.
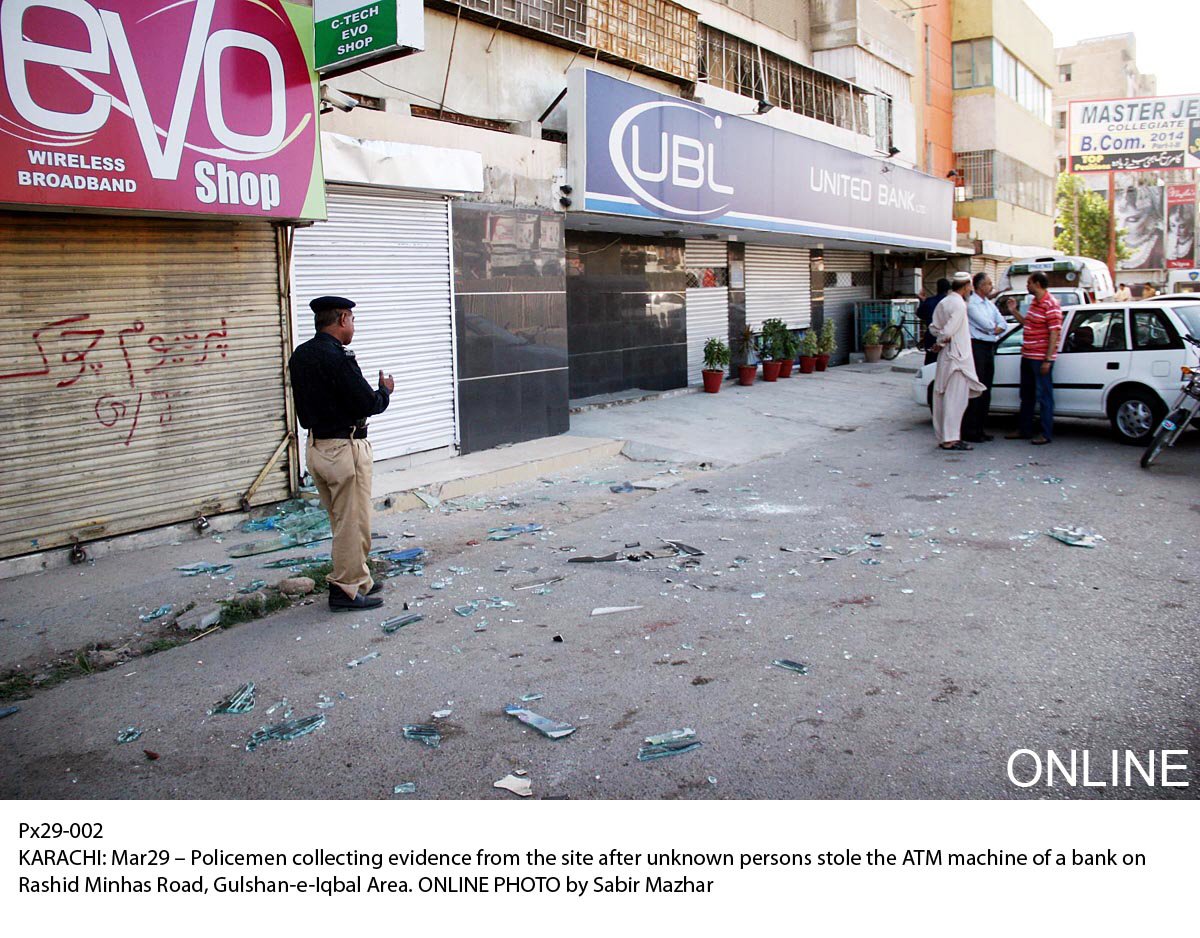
665,169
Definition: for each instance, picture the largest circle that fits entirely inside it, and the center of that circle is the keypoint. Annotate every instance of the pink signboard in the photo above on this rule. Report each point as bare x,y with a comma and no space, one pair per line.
199,106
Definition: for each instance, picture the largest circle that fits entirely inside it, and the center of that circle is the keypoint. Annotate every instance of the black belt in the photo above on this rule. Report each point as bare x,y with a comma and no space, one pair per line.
358,433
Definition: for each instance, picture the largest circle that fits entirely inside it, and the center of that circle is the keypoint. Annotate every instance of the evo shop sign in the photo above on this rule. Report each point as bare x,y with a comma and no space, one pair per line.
651,155
350,34
200,106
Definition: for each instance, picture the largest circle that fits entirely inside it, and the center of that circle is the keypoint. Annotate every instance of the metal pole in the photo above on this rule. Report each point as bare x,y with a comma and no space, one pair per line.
450,60
1112,227
1075,191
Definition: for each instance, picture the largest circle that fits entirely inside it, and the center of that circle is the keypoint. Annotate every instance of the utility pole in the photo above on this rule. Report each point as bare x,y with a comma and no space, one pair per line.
1112,227
1075,210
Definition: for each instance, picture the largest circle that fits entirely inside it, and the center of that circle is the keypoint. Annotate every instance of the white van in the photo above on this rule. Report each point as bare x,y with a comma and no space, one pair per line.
1074,281
1183,281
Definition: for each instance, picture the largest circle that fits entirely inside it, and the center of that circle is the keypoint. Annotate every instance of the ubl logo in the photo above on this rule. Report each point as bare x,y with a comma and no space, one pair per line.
668,161
107,45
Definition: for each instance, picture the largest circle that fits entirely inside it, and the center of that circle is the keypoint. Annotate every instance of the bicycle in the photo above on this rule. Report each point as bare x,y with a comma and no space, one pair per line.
898,335
1183,413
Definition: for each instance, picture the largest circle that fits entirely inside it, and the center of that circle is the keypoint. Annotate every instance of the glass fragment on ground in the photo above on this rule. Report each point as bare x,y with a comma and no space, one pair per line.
287,730
240,701
129,734
554,729
788,665
423,733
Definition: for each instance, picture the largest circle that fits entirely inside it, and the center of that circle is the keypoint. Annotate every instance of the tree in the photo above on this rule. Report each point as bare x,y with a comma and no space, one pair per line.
1093,220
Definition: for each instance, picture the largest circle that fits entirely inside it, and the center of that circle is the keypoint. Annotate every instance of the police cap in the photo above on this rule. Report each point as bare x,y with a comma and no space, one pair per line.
322,303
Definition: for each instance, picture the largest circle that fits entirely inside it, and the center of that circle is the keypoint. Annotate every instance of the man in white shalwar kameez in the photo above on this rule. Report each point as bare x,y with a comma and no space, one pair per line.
956,381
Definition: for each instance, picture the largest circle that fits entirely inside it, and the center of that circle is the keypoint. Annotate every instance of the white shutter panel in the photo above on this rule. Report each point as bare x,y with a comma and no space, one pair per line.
390,253
707,307
777,286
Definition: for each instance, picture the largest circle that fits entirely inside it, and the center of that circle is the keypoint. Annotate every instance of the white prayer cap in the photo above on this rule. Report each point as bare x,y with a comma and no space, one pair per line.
960,277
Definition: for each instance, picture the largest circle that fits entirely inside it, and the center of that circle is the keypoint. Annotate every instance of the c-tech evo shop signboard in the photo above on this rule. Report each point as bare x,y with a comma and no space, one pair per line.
1134,134
351,34
200,106
651,155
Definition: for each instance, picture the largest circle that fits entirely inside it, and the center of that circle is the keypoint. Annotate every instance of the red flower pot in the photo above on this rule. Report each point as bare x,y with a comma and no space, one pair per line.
785,368
746,374
771,370
822,362
807,364
712,380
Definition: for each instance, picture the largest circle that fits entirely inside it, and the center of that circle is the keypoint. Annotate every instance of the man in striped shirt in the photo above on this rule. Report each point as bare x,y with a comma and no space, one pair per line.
1039,348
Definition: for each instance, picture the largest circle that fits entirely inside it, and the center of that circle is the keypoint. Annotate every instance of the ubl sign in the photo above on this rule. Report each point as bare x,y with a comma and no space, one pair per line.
198,106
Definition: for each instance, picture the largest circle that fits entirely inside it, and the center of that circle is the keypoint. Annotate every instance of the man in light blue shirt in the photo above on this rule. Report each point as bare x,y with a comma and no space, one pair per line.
987,325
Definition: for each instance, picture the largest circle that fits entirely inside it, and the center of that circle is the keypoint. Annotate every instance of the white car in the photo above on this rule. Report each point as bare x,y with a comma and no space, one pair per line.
1116,361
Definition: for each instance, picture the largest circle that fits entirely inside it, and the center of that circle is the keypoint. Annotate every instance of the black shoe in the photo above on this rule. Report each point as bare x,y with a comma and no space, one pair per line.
976,439
340,602
377,588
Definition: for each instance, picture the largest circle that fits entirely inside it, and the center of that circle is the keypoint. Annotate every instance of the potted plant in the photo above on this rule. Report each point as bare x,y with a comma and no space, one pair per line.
826,345
747,369
787,345
872,348
773,346
716,360
808,352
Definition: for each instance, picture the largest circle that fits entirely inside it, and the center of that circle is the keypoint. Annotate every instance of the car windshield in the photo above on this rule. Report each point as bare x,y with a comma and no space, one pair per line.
1191,318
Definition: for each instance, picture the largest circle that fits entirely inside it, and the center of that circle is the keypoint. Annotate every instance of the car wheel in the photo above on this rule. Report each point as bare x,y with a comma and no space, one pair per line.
1135,415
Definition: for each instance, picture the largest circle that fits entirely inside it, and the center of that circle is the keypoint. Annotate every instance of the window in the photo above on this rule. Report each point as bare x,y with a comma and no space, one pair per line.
1060,120
1152,331
1102,331
983,63
987,174
883,122
725,61
1064,73
707,277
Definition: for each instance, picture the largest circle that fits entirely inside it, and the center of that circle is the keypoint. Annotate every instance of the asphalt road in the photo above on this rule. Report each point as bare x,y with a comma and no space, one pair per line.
927,668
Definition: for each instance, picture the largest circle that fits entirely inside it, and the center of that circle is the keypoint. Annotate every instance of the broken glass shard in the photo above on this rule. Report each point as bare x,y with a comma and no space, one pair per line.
423,733
609,610
788,665
870,562
253,587
157,613
363,660
195,569
1076,537
406,556
529,698
646,753
297,561
497,603
129,734
606,558
467,609
429,501
8,711
288,729
395,623
538,584
671,736
512,530
240,701
404,788
621,489
544,725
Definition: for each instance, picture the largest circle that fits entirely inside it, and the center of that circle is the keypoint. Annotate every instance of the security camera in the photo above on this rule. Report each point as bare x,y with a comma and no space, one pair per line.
343,102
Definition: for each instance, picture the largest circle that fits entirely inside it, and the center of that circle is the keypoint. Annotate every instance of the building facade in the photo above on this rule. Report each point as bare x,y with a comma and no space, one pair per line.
1002,73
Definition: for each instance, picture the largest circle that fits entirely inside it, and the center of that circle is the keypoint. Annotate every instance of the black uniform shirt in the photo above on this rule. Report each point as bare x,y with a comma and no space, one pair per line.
330,391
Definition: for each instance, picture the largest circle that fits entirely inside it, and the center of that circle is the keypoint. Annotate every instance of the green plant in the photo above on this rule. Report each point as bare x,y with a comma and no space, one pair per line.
827,343
716,355
745,344
777,340
809,345
871,336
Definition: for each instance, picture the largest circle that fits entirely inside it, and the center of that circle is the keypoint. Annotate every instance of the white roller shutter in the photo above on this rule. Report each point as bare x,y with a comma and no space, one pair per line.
777,286
707,307
390,253
141,373
847,281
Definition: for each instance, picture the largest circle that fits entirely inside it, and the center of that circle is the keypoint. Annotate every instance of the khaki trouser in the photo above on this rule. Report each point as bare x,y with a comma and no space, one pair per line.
342,472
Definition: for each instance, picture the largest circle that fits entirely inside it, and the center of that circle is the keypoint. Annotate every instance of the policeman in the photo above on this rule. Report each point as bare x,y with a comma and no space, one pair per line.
333,402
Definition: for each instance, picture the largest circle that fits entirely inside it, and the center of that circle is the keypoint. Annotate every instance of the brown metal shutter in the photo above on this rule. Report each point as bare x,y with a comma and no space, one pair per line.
141,373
